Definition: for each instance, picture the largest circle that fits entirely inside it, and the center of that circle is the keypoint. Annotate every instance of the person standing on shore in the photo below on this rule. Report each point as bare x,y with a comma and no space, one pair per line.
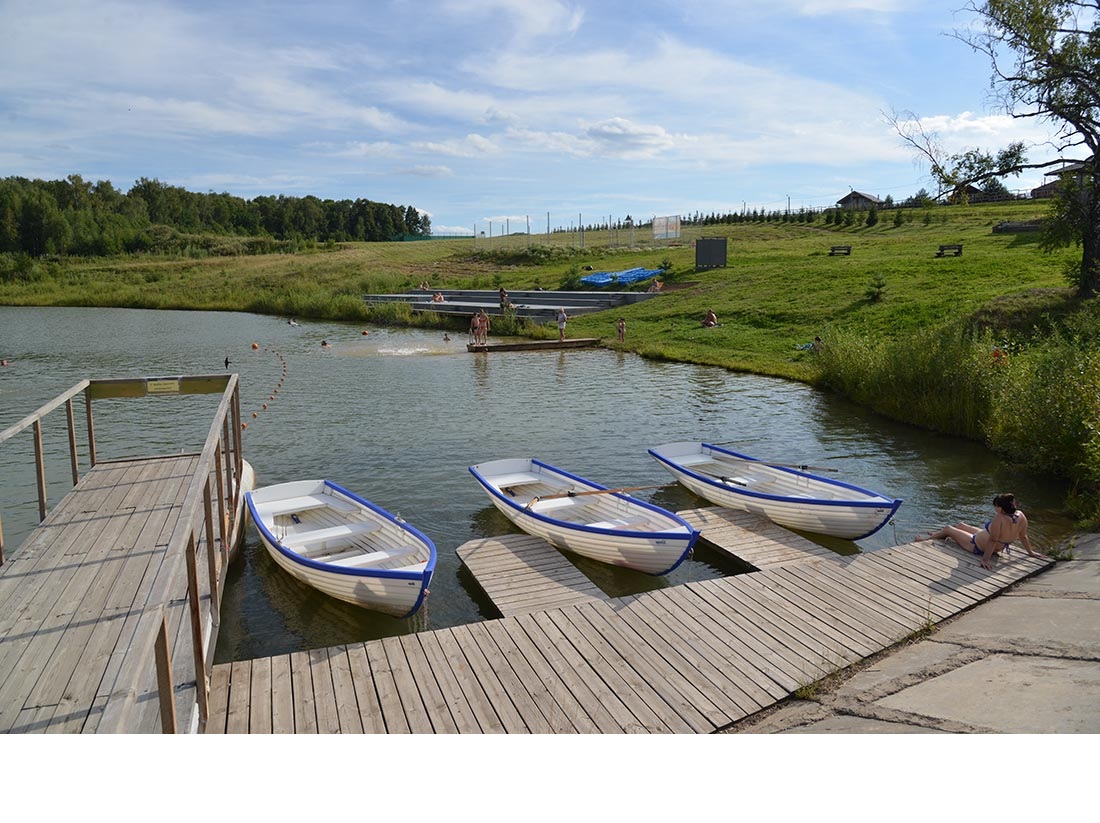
562,318
621,329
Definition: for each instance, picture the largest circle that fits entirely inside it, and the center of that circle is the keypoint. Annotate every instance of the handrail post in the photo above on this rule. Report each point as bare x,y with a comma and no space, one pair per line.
1,541
40,469
230,465
201,685
72,441
223,527
165,690
91,426
212,555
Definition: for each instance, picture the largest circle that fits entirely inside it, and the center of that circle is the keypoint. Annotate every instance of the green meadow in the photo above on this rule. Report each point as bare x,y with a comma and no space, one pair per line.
907,333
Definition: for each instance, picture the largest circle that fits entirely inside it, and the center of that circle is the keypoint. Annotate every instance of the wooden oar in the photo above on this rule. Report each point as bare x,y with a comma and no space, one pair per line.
534,500
721,477
801,467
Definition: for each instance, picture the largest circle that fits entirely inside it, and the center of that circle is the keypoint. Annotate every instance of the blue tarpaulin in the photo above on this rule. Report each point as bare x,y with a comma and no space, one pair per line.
621,278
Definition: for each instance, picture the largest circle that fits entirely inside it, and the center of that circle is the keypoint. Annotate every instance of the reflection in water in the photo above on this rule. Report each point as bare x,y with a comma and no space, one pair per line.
398,415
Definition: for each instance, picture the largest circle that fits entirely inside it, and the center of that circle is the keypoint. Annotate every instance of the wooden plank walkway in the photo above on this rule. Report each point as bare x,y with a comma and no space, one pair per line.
753,539
521,573
693,658
71,597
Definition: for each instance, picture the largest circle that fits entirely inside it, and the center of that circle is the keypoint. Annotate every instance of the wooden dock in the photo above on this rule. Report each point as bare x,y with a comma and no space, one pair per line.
537,345
693,658
109,610
752,539
522,574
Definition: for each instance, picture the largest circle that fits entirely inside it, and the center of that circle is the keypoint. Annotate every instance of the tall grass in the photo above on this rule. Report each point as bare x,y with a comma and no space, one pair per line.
1036,401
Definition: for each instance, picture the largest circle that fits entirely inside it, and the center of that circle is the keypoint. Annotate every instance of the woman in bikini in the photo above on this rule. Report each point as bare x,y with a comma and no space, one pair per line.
1008,525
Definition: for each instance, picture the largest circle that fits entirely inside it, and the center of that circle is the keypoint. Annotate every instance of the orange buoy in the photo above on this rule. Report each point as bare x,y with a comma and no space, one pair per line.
254,414
265,405
244,425
255,346
365,332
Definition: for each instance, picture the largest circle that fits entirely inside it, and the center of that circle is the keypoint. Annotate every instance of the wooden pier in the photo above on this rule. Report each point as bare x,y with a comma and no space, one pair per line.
521,574
751,538
109,611
536,345
693,658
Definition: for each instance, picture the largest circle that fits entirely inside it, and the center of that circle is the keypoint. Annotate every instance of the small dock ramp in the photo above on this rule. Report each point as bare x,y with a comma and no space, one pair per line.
753,539
523,574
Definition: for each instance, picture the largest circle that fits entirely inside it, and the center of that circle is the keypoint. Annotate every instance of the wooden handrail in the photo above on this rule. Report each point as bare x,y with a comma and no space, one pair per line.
183,536
221,460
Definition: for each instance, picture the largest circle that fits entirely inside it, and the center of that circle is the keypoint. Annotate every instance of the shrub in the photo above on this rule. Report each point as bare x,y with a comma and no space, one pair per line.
876,289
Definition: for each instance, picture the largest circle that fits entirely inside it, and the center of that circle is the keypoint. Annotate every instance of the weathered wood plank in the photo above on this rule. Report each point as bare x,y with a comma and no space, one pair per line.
753,539
240,690
648,708
305,712
481,705
713,647
665,668
343,687
487,678
370,711
535,692
435,705
393,714
521,573
450,691
282,695
554,678
603,706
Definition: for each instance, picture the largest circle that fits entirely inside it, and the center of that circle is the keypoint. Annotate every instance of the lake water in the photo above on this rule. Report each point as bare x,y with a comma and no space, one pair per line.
398,415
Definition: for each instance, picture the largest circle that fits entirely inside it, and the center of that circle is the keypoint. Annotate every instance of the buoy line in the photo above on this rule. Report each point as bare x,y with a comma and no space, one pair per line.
275,391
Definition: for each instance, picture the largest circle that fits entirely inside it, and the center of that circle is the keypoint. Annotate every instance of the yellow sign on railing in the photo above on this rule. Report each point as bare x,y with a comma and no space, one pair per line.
162,386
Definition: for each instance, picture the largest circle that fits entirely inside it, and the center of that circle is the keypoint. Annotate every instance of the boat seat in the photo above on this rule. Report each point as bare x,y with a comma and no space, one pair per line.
619,523
361,560
300,540
516,479
693,460
305,502
541,506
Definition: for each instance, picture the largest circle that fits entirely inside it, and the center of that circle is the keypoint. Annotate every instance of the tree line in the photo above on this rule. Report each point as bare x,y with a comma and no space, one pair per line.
78,217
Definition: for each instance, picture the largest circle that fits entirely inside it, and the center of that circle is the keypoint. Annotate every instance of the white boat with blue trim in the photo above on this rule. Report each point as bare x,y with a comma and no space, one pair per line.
785,494
344,546
579,516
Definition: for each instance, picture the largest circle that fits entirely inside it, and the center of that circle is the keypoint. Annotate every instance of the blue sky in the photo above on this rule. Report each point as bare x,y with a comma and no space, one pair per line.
493,110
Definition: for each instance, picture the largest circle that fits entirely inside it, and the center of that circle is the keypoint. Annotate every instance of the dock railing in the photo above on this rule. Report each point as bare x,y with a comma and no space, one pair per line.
207,517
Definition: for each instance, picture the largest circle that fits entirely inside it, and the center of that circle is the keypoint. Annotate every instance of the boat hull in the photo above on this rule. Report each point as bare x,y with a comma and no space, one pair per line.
787,496
354,524
611,528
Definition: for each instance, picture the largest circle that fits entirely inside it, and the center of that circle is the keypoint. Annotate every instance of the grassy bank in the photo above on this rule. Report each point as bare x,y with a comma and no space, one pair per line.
907,333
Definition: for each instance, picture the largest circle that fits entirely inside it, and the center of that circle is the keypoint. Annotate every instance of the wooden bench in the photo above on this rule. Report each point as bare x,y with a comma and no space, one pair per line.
950,248
301,540
835,250
293,505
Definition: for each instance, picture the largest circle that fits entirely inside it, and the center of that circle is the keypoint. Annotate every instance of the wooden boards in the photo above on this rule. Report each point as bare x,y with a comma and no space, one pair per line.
753,539
71,597
537,345
521,573
693,658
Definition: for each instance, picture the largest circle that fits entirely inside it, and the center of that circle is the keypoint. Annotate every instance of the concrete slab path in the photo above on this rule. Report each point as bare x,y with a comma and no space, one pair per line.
1025,662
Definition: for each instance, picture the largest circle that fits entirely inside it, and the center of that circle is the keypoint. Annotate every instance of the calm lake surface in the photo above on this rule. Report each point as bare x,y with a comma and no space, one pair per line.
398,416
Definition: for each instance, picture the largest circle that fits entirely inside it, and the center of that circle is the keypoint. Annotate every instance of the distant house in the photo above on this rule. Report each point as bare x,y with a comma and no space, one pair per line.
1050,188
857,200
968,193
